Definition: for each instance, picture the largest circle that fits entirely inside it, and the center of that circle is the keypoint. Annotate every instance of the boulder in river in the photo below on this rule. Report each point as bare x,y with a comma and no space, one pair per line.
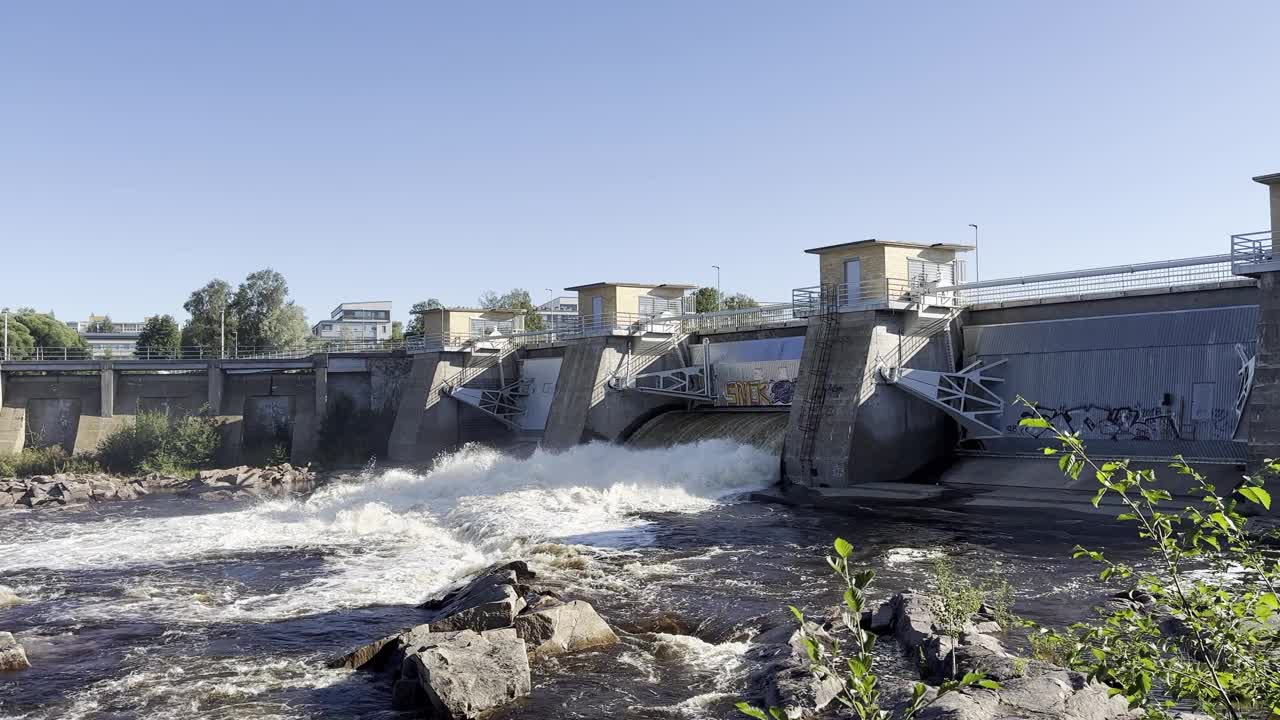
465,674
489,602
12,656
1030,689
565,628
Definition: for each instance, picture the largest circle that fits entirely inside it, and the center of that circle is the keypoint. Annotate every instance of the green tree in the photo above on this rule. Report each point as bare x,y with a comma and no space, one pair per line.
517,299
160,336
397,331
206,307
418,313
29,330
256,306
102,326
706,300
286,327
739,301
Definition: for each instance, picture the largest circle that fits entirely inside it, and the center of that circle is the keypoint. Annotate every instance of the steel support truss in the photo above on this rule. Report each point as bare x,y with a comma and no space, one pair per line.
965,395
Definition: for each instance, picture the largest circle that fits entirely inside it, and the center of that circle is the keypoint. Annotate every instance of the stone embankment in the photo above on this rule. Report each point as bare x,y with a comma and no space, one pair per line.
1028,688
472,655
45,491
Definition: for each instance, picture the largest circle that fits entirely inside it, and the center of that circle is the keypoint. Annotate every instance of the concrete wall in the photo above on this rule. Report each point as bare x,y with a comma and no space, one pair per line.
428,422
585,408
1264,403
250,426
866,431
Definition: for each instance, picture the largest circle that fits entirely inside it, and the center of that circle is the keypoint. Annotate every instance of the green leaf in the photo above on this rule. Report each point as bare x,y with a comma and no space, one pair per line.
777,714
1257,495
1034,422
749,711
1050,451
843,548
989,684
1223,521
796,611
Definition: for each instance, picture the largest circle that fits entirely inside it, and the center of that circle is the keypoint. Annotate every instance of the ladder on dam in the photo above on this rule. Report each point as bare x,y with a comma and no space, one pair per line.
814,400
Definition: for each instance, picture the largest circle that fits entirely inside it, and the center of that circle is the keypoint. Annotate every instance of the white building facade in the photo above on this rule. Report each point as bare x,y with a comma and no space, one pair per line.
369,320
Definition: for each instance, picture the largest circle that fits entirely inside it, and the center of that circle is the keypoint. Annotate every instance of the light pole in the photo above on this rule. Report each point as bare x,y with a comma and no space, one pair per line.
717,267
976,277
6,333
222,342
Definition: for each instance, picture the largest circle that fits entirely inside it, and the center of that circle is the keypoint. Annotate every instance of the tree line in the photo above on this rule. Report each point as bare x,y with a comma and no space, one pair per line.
258,314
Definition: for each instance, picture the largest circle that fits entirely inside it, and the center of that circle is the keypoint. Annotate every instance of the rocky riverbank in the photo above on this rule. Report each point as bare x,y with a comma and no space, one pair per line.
472,655
62,489
1028,688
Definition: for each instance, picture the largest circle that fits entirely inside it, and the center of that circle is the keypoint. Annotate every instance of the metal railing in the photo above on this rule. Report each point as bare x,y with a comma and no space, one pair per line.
876,292
1250,250
764,314
1167,274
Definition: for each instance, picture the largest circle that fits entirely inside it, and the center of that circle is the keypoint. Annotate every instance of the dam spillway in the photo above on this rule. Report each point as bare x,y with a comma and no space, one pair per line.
762,429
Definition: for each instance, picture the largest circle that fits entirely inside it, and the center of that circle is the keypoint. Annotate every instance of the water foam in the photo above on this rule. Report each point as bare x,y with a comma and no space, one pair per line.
399,536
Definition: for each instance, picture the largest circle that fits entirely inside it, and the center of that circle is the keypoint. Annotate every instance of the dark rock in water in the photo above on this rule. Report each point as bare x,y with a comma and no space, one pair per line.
489,602
564,628
782,676
464,674
12,656
882,620
1027,689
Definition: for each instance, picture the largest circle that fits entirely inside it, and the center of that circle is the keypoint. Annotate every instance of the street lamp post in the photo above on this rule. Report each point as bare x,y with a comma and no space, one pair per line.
718,298
6,333
222,342
976,277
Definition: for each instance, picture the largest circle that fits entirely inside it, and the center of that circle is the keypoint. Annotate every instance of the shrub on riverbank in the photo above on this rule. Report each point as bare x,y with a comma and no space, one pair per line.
45,461
1200,624
151,443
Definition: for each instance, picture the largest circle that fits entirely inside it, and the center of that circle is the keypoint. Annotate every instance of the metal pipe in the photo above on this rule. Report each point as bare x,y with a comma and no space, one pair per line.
1092,272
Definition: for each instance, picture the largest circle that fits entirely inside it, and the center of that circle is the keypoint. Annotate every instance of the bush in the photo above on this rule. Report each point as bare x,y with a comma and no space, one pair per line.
853,662
45,461
153,444
1210,635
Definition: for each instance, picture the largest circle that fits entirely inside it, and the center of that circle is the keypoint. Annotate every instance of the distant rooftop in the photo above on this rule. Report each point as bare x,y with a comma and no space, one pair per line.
894,243
1269,179
674,286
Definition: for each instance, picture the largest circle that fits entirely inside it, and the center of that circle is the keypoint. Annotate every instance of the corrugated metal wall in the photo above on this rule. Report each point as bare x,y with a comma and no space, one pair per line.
1169,377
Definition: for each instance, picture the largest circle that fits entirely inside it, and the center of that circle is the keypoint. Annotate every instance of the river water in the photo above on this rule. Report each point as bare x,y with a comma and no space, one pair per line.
179,608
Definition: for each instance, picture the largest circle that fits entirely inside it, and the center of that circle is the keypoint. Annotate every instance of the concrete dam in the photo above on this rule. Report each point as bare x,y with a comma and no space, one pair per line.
888,370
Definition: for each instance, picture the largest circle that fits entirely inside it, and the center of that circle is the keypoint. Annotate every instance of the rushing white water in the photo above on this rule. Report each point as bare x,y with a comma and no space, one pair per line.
396,538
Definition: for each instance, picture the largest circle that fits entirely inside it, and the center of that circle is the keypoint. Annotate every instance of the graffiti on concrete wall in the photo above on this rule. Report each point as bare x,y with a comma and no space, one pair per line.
759,392
1111,423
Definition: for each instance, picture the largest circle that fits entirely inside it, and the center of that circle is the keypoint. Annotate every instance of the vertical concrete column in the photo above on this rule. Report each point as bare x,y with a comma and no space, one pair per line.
215,387
1264,400
107,386
321,361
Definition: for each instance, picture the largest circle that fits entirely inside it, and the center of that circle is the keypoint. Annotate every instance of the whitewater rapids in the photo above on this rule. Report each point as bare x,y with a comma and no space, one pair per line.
400,536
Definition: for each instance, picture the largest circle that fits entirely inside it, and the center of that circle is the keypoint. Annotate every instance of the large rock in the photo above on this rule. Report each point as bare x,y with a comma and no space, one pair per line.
464,674
489,602
12,656
1029,689
559,629
782,676
383,654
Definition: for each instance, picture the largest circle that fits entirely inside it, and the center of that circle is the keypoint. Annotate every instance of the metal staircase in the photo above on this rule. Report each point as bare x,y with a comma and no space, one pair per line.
816,375
692,382
502,404
963,394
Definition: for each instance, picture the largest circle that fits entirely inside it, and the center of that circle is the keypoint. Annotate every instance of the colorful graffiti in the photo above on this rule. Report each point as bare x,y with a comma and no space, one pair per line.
759,392
1111,423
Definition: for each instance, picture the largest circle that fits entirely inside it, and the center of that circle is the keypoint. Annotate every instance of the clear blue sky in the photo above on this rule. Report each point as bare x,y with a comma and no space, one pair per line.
400,150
